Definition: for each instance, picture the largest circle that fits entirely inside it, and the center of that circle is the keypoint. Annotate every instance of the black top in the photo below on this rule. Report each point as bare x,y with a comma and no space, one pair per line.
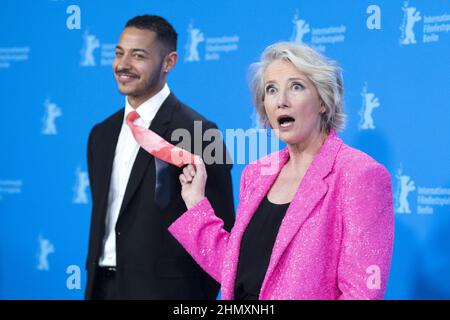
256,248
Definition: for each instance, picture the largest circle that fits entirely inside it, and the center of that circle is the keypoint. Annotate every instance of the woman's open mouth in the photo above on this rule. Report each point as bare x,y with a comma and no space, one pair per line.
285,121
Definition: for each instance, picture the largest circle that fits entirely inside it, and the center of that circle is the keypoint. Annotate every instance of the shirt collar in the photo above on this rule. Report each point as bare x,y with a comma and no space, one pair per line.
149,108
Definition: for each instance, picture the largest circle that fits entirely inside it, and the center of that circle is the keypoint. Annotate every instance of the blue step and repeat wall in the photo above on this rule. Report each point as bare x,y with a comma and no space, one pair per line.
56,82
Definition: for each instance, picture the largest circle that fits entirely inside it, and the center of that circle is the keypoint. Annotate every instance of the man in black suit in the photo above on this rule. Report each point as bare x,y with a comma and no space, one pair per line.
137,196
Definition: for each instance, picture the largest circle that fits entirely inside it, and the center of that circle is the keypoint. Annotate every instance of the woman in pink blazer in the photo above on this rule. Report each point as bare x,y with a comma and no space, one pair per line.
315,220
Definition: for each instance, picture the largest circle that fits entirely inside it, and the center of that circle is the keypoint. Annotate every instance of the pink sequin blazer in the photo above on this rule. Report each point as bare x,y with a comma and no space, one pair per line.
335,241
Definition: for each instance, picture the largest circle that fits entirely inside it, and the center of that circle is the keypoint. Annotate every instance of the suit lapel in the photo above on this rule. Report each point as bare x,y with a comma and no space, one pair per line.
311,190
106,157
250,200
144,160
261,186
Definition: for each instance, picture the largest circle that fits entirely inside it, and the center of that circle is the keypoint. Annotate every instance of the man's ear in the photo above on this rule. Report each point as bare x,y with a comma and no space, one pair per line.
170,61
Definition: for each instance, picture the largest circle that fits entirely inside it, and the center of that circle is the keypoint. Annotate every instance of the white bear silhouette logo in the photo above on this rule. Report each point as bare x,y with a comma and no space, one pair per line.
369,103
405,186
45,248
87,52
52,111
410,17
82,182
195,37
300,29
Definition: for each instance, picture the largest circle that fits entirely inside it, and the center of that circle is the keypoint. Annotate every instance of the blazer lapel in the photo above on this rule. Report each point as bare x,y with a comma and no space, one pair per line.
106,157
256,191
311,190
159,125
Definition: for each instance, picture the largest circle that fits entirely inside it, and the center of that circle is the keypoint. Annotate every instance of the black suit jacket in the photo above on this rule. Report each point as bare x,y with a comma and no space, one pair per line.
151,264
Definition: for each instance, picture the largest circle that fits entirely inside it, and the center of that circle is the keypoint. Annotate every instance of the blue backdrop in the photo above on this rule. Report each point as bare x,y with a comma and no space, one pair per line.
56,82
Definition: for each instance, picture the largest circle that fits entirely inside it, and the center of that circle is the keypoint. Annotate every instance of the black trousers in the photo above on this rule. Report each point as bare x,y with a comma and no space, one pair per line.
105,287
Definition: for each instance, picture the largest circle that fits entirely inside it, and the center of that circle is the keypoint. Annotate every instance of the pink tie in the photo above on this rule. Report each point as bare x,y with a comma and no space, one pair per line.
157,146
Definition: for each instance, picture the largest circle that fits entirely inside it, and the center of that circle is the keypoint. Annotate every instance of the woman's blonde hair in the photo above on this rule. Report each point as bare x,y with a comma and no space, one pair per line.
325,74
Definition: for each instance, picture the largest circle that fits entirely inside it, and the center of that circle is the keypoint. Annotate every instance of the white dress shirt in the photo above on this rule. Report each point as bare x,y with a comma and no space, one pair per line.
124,157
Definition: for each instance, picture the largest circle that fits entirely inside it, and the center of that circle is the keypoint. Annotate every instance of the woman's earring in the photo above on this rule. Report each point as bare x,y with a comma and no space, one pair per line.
322,110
